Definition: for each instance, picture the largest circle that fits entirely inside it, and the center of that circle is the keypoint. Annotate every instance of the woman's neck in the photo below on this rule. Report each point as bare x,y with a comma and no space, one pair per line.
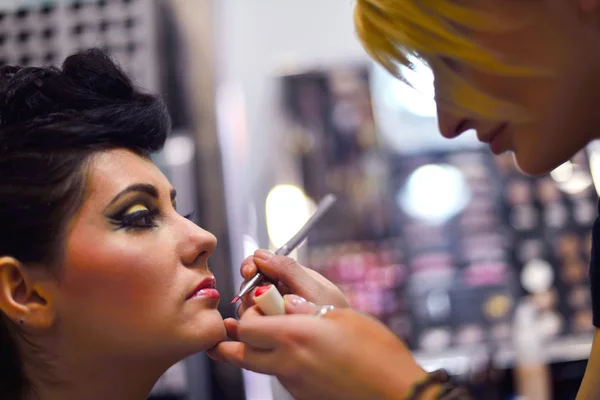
110,378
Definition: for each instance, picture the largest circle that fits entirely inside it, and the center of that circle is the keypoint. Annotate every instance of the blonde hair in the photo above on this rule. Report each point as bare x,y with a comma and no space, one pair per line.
393,30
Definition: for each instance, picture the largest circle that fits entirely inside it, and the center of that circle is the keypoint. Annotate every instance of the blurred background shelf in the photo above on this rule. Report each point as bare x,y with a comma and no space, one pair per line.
460,361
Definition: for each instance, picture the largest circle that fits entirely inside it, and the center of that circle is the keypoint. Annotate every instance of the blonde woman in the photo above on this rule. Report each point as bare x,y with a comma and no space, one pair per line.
526,76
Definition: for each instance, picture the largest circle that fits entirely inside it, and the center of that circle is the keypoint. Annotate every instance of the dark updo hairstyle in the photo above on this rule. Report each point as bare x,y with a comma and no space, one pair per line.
51,121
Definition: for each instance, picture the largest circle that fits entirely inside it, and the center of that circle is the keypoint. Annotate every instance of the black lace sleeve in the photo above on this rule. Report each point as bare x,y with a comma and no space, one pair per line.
449,390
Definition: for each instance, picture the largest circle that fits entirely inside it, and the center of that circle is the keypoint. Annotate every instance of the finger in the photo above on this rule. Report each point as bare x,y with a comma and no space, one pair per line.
241,310
298,305
247,299
244,356
254,338
277,331
252,312
231,326
214,355
248,268
283,288
285,269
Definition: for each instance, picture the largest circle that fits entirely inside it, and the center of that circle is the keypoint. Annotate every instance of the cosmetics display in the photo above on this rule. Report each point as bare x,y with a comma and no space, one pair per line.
436,284
46,32
440,245
552,255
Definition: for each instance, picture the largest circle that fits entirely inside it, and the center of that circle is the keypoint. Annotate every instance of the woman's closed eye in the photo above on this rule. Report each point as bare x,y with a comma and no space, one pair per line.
140,216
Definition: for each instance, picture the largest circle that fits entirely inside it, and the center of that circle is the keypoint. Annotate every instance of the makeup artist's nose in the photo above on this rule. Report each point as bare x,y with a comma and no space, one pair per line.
451,125
197,246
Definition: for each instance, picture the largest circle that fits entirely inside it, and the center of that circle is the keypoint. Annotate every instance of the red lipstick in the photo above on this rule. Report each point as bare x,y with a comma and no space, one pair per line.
261,290
205,289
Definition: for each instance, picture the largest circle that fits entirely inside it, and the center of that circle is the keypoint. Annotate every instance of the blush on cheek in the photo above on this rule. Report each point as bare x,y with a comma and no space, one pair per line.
114,276
91,282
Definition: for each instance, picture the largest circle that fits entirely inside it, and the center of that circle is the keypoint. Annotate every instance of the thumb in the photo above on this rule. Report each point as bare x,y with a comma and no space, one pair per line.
298,305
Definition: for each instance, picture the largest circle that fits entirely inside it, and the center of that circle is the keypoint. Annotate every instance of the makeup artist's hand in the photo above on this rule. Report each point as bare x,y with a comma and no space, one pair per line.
343,355
290,278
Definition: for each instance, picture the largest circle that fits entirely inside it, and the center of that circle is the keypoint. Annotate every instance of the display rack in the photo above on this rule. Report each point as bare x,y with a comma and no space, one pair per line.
46,32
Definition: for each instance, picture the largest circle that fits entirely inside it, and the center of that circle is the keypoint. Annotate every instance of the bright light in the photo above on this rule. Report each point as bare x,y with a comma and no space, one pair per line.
563,172
595,169
287,209
571,178
435,193
179,150
577,184
537,276
420,98
250,245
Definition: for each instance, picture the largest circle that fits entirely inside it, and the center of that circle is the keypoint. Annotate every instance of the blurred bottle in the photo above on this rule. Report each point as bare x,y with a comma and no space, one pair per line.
532,376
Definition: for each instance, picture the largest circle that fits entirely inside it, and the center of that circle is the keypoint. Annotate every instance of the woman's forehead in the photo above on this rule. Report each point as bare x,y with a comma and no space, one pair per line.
112,171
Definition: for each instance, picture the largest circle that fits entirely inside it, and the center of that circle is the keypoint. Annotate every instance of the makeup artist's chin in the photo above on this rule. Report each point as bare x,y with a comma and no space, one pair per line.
531,162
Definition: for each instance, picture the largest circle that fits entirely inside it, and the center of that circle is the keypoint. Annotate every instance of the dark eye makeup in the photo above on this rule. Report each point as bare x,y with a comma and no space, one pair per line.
138,216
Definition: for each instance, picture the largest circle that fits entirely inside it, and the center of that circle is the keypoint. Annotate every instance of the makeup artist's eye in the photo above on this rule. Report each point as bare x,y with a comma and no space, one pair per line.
451,63
137,217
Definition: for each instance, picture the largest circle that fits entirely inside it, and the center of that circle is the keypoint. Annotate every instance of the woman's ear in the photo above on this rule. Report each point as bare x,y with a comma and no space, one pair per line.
26,296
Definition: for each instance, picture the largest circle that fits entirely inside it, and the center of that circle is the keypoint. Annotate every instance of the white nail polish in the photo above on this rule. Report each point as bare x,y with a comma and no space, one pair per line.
297,300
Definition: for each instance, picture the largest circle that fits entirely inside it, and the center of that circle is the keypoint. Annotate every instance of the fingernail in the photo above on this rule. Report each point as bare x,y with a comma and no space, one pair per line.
295,300
264,255
246,269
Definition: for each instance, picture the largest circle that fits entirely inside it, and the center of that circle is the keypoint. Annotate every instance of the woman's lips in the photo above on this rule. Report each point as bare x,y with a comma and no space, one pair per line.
206,294
205,289
496,139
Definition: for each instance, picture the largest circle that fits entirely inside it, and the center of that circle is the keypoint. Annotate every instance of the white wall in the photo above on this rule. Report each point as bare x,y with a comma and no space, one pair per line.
256,40
259,39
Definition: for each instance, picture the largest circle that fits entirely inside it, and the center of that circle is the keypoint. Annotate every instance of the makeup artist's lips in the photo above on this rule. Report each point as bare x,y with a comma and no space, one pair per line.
206,289
495,139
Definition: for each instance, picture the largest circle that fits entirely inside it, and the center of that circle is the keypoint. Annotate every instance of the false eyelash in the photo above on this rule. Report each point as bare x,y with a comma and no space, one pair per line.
190,215
129,221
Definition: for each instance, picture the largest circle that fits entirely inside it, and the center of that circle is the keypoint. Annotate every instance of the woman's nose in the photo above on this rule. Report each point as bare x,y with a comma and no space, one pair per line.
451,126
198,245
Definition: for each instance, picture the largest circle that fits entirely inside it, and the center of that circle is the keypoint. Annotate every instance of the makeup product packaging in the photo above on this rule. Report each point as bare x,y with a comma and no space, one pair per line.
531,372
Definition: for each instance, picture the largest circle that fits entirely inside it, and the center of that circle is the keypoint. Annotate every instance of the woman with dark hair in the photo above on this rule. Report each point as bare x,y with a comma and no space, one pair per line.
103,285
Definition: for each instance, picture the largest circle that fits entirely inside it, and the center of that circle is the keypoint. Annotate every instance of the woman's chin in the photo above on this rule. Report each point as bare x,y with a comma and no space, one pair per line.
210,333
